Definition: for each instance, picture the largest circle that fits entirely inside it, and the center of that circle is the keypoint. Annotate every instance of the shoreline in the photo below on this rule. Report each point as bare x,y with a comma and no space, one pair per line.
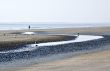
49,26
8,38
13,38
70,63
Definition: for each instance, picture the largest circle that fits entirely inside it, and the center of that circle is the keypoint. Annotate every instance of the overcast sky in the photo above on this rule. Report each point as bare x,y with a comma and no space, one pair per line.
72,11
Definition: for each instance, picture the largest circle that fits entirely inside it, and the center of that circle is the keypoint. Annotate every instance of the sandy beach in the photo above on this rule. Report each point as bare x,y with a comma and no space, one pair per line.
9,38
94,61
99,61
54,35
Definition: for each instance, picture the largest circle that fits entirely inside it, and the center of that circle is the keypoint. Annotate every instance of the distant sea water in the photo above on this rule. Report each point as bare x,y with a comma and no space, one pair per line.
18,26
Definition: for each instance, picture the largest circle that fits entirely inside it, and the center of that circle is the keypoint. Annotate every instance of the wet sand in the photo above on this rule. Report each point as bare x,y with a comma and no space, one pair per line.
97,61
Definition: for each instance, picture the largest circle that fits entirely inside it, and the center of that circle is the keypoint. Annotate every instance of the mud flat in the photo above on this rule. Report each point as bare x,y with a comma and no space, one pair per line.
97,60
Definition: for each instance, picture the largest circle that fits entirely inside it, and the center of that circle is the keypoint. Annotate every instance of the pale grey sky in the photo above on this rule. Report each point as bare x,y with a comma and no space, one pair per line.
72,11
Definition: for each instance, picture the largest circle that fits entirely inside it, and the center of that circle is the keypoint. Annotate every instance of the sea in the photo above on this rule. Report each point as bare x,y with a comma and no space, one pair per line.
18,26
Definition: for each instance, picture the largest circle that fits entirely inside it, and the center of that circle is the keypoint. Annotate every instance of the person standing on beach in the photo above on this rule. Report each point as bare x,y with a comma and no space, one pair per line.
29,27
78,34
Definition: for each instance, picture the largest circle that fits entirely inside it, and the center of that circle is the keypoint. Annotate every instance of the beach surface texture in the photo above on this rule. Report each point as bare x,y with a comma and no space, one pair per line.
91,60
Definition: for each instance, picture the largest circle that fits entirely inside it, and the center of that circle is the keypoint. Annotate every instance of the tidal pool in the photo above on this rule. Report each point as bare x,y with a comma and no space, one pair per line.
28,33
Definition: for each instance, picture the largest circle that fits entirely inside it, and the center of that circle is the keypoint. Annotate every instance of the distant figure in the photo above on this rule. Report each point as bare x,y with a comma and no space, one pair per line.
78,34
29,27
4,34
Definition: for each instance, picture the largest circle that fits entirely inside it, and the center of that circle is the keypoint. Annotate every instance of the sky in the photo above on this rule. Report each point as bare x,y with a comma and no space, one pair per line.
69,11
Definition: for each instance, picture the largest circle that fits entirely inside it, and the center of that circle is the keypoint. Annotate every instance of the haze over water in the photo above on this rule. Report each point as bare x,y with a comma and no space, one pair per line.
18,26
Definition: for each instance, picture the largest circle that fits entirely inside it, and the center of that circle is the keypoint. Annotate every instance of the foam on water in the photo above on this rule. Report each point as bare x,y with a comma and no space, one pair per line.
30,47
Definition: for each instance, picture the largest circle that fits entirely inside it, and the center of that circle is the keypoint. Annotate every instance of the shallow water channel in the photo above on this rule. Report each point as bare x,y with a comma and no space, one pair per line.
41,52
